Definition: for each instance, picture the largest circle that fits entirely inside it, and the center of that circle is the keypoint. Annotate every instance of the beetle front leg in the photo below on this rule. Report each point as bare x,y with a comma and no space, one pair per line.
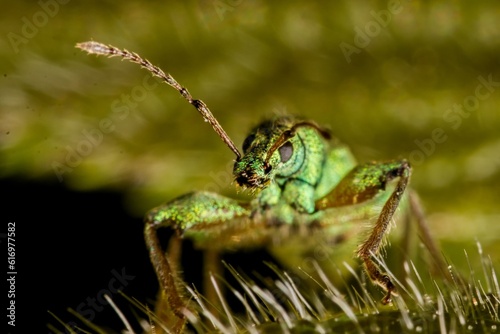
361,184
200,216
171,314
372,245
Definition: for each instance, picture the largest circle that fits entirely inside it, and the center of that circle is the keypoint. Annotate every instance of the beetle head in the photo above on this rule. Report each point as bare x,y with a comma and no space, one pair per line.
271,150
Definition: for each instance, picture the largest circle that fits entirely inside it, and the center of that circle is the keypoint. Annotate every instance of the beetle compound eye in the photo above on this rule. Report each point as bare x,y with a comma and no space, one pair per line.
286,151
247,142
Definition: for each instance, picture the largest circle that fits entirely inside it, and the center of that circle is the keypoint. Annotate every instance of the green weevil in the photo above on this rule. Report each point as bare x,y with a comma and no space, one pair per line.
309,190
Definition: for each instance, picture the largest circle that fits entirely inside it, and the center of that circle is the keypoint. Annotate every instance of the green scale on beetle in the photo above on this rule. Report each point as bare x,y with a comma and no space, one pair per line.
309,191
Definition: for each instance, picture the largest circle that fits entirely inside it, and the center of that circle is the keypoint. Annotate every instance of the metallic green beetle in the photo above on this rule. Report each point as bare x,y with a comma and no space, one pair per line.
311,192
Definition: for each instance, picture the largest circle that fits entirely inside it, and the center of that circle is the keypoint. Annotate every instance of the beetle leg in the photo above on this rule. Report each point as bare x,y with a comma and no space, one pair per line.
440,266
364,182
206,218
372,245
212,266
170,304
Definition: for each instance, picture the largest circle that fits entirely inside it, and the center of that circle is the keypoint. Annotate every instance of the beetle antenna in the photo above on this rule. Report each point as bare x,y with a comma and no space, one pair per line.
111,51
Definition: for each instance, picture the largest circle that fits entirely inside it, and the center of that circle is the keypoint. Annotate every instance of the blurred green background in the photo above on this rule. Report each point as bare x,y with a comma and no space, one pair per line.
410,79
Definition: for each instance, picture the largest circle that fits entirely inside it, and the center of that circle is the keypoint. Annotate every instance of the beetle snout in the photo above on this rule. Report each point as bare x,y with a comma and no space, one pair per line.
247,178
252,173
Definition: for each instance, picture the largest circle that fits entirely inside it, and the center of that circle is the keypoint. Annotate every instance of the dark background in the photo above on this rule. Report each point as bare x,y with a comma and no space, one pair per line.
67,245
247,60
